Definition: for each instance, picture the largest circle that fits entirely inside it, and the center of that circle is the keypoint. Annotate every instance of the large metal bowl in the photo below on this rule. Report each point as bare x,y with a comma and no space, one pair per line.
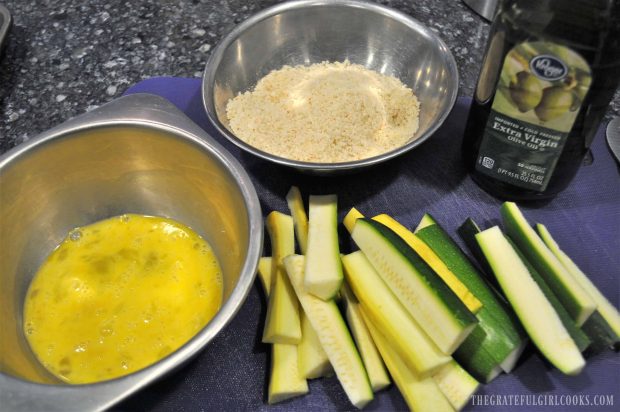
312,31
138,154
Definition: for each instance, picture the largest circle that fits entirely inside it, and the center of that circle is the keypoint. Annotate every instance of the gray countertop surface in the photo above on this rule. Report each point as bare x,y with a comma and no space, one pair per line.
65,57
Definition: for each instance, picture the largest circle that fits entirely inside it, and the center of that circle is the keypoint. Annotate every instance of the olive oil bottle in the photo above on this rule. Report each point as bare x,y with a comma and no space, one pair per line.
550,70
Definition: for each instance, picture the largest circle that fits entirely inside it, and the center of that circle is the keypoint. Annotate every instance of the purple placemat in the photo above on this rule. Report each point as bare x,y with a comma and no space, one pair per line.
232,372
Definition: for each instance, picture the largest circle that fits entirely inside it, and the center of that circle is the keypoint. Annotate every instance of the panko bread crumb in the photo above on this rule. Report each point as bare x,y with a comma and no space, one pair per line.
325,113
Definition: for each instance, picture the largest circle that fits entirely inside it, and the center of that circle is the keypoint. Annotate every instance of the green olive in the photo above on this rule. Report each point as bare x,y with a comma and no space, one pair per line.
526,91
581,91
555,102
584,81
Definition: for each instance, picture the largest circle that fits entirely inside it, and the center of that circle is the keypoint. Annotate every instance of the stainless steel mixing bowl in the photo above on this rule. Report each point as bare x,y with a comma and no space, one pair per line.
138,154
312,31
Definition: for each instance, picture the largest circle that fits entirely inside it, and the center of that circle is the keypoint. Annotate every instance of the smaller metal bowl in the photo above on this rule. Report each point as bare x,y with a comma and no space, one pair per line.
312,31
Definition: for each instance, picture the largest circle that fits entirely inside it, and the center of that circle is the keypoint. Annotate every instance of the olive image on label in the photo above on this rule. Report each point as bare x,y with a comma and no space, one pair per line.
526,91
555,102
538,86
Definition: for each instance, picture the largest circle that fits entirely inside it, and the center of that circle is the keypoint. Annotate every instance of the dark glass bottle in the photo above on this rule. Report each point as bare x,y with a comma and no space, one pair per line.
549,72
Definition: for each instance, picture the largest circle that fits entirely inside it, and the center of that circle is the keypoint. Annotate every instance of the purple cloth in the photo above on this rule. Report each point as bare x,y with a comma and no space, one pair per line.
232,372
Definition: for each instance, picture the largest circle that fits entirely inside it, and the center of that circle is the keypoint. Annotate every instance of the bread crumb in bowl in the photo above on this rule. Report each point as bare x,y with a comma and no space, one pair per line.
325,113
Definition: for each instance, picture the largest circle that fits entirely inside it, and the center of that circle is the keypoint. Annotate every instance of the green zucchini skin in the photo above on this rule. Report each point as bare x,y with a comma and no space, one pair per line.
426,220
473,356
574,298
502,334
467,232
451,254
601,334
434,282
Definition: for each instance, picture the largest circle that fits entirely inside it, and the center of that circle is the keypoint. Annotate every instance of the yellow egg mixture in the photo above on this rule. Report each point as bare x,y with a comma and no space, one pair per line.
118,295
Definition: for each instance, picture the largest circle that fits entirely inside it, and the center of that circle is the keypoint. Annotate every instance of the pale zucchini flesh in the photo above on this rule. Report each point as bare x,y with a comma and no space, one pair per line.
333,335
323,271
313,361
373,363
286,380
579,337
573,296
537,315
420,394
457,385
603,306
300,218
282,324
435,308
391,318
429,256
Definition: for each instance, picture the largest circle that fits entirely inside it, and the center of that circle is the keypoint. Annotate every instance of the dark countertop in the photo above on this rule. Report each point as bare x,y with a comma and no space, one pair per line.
65,57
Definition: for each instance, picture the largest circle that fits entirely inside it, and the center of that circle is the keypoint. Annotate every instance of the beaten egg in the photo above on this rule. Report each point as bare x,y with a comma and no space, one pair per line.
118,295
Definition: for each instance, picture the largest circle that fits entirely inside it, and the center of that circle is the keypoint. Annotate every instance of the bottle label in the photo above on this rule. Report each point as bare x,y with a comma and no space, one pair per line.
538,98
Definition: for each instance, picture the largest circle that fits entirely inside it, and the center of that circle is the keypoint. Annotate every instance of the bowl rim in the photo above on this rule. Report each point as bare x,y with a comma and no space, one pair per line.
214,60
